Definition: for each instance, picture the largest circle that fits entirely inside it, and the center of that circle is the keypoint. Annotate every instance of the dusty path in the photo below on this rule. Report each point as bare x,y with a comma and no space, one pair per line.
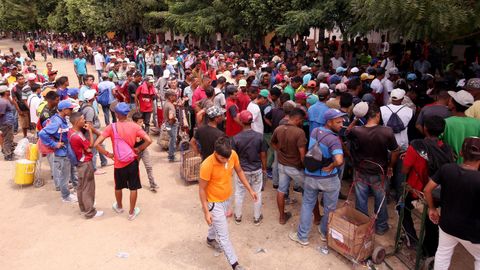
38,231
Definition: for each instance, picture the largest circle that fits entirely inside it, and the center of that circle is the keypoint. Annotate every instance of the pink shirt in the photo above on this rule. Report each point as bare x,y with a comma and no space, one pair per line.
198,94
129,132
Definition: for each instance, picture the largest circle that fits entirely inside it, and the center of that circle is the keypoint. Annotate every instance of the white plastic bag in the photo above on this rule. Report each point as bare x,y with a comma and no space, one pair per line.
21,149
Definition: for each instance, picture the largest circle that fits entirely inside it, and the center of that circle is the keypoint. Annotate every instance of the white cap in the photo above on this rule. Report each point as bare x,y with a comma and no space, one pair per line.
462,97
89,94
397,94
31,77
354,70
111,51
242,83
304,68
166,74
361,109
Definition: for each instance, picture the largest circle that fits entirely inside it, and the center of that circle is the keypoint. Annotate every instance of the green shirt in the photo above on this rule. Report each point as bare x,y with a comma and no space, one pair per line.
289,90
457,129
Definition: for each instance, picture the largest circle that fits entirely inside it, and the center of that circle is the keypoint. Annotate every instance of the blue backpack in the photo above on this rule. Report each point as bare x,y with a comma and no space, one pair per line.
70,153
104,97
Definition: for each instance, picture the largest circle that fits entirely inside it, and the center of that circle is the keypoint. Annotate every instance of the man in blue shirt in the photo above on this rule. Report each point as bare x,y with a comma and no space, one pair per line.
55,136
323,180
7,121
316,111
80,67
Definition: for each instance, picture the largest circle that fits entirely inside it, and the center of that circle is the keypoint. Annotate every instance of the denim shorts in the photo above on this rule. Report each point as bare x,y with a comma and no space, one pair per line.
286,174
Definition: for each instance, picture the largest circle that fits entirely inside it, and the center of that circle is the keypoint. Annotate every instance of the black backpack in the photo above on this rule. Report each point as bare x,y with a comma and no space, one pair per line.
435,155
395,122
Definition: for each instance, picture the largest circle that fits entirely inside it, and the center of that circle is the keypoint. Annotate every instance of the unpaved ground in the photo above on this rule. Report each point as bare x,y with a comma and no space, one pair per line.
38,231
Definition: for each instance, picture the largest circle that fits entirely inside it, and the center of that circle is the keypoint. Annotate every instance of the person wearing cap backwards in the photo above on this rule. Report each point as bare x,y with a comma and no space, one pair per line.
105,97
20,92
126,165
251,149
459,219
7,122
144,97
323,179
55,135
316,111
206,135
405,114
459,126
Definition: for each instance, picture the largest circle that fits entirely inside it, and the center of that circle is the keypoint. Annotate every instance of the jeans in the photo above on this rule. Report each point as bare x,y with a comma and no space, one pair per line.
147,117
7,134
267,137
219,229
287,173
255,179
446,246
275,174
172,142
398,179
74,176
363,184
106,114
61,174
103,159
147,162
99,72
330,187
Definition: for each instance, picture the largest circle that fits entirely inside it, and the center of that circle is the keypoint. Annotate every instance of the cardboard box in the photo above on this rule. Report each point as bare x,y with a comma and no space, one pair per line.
349,233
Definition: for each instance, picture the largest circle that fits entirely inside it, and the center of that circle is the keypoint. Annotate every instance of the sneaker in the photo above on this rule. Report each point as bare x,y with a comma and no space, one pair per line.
275,186
239,267
269,174
99,172
382,232
238,220
258,221
136,212
298,189
154,185
153,189
9,158
116,209
173,160
212,243
322,236
57,188
98,214
289,201
294,237
70,199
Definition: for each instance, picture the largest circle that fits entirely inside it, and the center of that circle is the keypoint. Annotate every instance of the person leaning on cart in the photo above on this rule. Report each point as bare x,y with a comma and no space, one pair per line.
459,220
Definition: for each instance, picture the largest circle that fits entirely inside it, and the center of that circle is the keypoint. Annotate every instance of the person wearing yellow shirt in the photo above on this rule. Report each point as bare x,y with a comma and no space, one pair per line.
215,189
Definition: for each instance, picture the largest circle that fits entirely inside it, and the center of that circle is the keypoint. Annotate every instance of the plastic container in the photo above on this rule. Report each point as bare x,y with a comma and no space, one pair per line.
24,172
33,152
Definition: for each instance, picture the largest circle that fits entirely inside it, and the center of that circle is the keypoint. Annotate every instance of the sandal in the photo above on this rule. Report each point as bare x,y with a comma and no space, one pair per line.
287,216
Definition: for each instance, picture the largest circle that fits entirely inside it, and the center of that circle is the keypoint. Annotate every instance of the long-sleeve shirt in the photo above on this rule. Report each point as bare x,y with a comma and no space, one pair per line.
55,131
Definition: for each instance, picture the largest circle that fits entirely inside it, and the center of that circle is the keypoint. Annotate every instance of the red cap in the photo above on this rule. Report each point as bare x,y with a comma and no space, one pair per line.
246,117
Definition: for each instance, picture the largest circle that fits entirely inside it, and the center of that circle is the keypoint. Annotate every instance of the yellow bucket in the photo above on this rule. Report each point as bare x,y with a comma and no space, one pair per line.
24,172
33,152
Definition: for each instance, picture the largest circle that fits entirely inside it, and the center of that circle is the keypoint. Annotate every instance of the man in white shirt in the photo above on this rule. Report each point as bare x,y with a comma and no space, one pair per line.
337,61
388,63
34,101
389,83
404,113
376,85
258,99
99,64
219,97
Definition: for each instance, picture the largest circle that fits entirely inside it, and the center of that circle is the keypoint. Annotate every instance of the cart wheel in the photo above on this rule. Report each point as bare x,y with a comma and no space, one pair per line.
378,255
428,263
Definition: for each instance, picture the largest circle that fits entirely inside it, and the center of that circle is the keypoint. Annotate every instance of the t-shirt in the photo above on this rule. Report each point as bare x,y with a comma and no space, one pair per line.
167,108
329,144
129,132
90,115
249,144
46,113
219,99
405,114
132,90
431,110
315,115
6,112
80,65
145,97
289,139
231,126
474,110
457,129
290,91
460,195
33,101
275,115
371,144
18,95
80,146
337,62
198,95
266,109
242,101
257,121
99,61
107,86
206,137
219,177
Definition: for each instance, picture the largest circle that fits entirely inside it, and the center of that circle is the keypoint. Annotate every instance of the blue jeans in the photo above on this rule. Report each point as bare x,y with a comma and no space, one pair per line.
330,187
286,174
172,142
275,174
99,72
363,184
106,115
61,174
95,153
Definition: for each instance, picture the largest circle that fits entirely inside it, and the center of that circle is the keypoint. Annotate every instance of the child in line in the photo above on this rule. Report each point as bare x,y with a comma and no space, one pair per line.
145,155
82,147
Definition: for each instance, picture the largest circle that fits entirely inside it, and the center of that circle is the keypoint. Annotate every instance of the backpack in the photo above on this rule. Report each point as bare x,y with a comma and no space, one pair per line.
123,151
314,159
104,97
436,156
395,122
70,153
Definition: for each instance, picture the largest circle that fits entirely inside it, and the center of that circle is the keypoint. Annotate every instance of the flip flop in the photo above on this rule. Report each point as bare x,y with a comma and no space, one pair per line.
287,216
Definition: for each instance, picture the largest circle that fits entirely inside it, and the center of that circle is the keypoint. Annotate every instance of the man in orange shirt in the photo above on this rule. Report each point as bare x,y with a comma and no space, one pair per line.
215,188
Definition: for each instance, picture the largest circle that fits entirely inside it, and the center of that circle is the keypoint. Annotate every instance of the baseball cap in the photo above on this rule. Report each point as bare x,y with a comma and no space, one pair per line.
122,108
231,89
72,92
354,70
245,117
393,71
289,105
214,111
340,69
150,79
341,87
48,90
366,76
242,83
65,104
312,99
3,88
312,83
473,84
322,75
462,97
335,79
369,98
31,77
52,72
360,109
332,114
264,93
300,96
397,94
411,77
89,94
304,68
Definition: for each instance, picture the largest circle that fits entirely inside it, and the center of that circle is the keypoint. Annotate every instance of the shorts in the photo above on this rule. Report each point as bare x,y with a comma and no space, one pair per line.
24,121
286,174
127,177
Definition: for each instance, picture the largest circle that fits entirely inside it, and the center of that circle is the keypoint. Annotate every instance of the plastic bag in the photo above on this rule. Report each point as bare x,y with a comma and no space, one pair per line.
22,148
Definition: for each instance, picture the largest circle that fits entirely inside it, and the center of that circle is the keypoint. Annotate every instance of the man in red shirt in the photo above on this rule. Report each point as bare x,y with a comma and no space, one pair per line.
82,147
199,93
144,97
243,99
232,124
417,169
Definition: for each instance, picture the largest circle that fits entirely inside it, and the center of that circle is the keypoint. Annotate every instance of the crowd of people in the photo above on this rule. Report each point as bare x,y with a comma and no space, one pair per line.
382,117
